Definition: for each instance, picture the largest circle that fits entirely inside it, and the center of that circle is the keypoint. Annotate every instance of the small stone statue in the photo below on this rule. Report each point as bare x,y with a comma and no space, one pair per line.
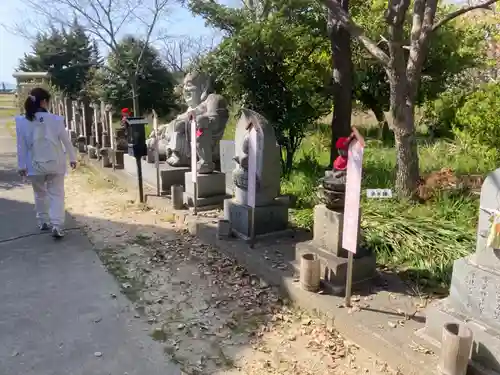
331,191
211,112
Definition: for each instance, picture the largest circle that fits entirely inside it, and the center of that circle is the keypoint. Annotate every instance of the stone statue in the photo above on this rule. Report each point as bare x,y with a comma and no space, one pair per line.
211,112
268,176
331,191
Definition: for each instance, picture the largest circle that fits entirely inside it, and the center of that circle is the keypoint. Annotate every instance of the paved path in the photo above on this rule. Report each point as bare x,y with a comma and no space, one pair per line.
56,300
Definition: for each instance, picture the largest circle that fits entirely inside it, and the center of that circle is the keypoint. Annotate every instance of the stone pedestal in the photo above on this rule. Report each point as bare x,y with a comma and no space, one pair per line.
268,219
169,175
92,152
81,144
474,298
475,301
118,159
105,157
73,137
106,140
327,245
211,189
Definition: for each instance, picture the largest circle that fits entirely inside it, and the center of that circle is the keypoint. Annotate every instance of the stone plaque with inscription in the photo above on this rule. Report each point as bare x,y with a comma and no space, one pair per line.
271,211
474,297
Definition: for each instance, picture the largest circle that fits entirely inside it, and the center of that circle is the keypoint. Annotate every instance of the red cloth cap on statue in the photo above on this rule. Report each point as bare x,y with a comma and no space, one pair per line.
340,163
342,143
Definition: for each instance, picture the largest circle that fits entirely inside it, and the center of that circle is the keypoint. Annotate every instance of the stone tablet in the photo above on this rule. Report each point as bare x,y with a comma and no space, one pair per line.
227,164
489,202
268,180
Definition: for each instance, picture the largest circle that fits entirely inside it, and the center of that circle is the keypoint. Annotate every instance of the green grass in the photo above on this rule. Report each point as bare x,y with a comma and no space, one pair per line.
8,112
421,241
7,99
11,127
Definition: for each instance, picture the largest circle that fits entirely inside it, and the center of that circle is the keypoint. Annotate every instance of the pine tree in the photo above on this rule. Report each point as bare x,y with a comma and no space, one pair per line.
69,55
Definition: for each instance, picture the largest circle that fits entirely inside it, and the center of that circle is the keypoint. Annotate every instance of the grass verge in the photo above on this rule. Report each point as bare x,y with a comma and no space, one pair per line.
8,112
419,240
11,128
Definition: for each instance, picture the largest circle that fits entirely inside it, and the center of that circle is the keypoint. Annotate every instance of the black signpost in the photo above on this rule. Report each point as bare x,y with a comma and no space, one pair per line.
136,136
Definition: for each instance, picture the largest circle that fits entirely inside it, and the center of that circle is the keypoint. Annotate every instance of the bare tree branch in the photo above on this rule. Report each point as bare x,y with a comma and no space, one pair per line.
459,12
181,51
424,14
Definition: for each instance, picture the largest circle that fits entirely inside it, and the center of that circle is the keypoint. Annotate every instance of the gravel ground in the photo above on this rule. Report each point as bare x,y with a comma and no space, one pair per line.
209,314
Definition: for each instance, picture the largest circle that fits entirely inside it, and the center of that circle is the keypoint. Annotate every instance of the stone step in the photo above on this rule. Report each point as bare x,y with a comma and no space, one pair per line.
334,268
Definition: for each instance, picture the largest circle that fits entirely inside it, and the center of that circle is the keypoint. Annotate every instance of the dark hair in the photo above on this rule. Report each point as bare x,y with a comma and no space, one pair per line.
32,103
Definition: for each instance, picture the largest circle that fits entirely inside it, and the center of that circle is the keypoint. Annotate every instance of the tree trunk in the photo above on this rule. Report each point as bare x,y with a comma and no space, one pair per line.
384,133
287,155
407,171
340,41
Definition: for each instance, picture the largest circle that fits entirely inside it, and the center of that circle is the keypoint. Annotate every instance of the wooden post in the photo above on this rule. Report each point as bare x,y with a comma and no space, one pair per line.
194,164
157,153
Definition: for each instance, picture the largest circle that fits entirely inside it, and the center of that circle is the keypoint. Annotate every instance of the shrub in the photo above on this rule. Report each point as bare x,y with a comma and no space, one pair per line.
478,121
439,115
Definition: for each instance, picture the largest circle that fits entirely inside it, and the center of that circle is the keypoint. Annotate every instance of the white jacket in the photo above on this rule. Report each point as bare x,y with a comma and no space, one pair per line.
56,130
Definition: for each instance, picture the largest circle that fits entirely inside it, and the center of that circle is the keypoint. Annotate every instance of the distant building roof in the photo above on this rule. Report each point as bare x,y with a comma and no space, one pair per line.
28,75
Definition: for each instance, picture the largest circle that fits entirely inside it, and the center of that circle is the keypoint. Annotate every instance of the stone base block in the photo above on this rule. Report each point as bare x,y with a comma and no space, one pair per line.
268,219
334,268
170,176
106,162
82,146
92,152
327,230
204,203
211,189
209,185
475,301
118,159
485,358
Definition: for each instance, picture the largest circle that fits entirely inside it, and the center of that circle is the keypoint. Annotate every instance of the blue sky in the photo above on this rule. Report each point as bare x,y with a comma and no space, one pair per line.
12,47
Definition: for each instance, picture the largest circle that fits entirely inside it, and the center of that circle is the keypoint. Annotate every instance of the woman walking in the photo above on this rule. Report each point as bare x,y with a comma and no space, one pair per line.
41,158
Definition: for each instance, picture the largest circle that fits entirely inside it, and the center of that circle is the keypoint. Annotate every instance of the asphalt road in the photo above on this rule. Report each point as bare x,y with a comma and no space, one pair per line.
60,311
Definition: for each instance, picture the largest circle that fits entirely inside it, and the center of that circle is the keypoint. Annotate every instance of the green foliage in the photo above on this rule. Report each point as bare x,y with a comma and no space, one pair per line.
421,241
455,47
439,115
155,83
69,55
478,121
273,62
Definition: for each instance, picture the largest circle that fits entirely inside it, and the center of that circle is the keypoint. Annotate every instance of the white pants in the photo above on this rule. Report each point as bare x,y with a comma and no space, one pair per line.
49,198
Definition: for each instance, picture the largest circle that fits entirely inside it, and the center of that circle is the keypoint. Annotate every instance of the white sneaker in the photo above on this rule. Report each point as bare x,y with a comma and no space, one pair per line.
44,227
57,232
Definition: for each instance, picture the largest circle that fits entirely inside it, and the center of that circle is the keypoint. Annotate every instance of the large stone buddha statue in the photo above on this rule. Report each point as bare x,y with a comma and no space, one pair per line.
211,113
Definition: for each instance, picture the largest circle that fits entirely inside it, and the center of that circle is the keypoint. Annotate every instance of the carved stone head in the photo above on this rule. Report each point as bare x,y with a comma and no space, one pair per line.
196,88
